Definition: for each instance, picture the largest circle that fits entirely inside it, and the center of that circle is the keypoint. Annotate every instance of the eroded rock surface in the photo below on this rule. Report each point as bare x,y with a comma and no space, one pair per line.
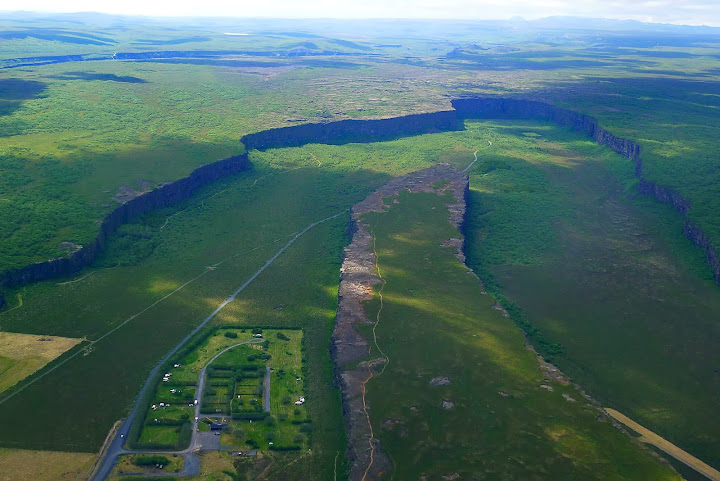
357,277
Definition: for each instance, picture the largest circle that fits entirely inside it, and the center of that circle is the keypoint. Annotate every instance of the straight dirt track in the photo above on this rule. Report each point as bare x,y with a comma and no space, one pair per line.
649,437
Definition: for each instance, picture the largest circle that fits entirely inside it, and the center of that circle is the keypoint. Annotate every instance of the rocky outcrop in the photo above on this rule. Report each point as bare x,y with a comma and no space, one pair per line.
664,195
163,196
347,131
358,275
372,130
481,108
699,238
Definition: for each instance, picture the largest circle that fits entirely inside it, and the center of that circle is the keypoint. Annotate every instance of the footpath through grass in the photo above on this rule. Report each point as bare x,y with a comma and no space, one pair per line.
437,325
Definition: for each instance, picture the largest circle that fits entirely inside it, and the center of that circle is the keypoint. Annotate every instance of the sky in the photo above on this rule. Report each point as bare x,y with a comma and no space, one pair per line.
684,12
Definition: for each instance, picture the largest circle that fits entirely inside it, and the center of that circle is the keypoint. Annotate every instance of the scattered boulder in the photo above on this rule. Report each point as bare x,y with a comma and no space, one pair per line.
440,381
389,424
447,404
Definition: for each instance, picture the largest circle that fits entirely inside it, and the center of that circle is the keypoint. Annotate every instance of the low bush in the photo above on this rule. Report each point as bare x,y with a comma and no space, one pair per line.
151,460
285,448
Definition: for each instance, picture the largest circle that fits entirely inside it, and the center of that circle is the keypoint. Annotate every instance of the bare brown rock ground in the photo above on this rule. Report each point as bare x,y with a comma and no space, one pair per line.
358,276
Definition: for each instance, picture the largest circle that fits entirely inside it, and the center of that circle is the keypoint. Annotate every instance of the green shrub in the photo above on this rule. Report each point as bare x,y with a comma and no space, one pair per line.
285,448
151,460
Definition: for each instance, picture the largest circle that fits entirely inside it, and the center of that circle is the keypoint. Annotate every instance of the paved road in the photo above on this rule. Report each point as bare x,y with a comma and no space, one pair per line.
116,447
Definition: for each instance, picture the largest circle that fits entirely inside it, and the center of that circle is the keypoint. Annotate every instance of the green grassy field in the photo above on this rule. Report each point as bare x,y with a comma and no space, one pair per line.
304,285
436,322
607,277
234,389
518,197
72,134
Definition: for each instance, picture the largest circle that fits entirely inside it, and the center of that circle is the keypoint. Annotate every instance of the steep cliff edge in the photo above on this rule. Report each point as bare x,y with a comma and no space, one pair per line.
358,275
372,130
163,196
347,131
486,108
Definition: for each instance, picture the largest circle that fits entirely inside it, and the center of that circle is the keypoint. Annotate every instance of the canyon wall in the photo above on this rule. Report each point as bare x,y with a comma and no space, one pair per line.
372,130
347,131
499,108
163,196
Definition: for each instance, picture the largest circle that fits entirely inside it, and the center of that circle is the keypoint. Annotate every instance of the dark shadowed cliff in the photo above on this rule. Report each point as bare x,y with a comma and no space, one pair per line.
372,130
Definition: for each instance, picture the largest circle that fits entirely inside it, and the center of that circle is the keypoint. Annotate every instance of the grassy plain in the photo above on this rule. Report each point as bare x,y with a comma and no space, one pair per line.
605,275
307,184
214,467
326,179
44,465
436,322
68,145
72,134
23,354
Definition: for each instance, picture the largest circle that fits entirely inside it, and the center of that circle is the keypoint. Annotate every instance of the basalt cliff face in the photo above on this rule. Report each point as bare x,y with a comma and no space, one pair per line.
358,274
346,131
493,108
163,196
485,108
